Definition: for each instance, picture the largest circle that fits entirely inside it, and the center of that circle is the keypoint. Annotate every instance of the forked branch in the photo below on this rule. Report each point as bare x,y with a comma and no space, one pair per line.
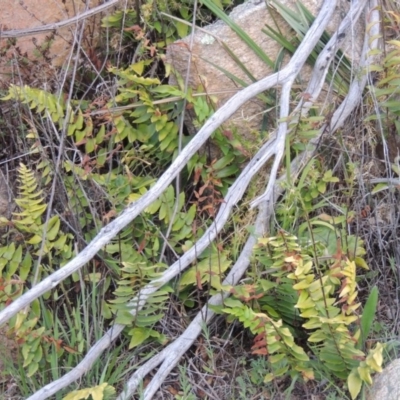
57,25
135,208
171,355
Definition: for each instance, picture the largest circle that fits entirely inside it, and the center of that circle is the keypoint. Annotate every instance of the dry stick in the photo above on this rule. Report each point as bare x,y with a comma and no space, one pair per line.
90,355
81,368
103,343
171,355
157,359
57,25
176,350
135,208
315,85
235,193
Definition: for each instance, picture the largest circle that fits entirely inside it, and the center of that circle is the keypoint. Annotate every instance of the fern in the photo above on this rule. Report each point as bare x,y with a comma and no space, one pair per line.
127,306
48,104
103,392
19,265
272,339
325,297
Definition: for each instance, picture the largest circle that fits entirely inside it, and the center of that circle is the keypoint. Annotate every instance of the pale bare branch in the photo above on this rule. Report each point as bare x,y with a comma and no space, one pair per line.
135,208
234,194
171,355
57,25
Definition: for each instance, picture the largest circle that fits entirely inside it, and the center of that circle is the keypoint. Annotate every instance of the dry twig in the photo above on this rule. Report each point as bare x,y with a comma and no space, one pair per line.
57,25
172,353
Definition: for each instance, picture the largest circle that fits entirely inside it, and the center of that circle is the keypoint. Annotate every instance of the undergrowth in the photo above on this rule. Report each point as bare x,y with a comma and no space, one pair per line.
300,301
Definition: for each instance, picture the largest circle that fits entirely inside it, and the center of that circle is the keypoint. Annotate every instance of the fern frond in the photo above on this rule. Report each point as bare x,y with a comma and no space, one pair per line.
274,340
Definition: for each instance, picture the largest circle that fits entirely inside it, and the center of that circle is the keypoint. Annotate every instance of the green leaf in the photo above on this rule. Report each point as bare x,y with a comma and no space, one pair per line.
379,188
228,171
354,384
90,145
147,320
35,239
138,67
223,162
139,335
53,227
25,266
318,336
17,256
33,367
100,134
277,358
269,377
97,393
168,90
364,373
231,302
60,242
124,318
368,316
239,31
299,353
9,253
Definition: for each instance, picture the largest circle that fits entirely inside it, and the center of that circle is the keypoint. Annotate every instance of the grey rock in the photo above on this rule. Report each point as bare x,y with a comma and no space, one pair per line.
251,16
386,385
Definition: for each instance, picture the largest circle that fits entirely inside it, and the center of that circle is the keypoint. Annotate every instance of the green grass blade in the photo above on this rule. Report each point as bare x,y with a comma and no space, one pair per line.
368,316
300,22
279,38
270,100
238,62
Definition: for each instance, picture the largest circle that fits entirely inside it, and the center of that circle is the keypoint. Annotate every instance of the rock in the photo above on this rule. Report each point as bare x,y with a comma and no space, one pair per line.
251,16
27,14
386,385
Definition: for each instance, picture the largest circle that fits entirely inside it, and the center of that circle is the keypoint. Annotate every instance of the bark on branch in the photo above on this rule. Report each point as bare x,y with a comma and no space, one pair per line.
57,25
171,355
135,208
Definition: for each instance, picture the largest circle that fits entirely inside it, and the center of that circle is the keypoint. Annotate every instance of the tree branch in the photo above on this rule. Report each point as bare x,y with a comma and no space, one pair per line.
233,196
57,25
170,355
135,208
235,191
173,352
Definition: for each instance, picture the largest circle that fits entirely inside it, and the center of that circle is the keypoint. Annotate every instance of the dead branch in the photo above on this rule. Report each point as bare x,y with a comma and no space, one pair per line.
262,156
57,25
171,355
313,90
233,196
135,208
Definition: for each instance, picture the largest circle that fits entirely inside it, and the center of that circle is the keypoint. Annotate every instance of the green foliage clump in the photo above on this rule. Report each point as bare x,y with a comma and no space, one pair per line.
155,17
120,146
324,294
115,154
30,250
